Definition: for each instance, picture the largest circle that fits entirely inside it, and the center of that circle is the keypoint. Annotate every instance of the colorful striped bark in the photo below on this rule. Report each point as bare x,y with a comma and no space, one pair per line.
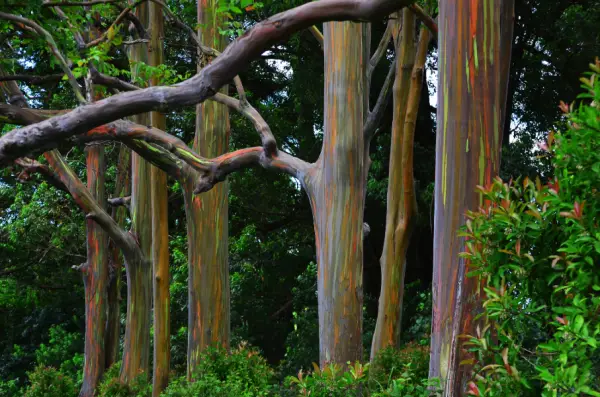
95,278
139,276
160,227
474,46
336,188
401,199
119,213
207,218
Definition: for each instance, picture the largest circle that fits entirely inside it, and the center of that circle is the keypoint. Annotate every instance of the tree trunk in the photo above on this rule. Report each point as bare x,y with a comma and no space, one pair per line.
473,42
160,226
336,188
139,276
119,213
95,278
401,199
207,218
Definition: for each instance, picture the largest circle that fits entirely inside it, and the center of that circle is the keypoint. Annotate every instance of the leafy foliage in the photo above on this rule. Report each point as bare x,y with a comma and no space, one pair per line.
48,381
536,249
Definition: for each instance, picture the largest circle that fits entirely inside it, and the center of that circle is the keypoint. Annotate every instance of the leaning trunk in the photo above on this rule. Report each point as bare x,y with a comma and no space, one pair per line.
473,76
160,228
207,218
139,275
336,187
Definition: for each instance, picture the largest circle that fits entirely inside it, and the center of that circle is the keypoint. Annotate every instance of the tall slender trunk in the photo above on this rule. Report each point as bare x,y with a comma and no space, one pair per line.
207,218
119,213
160,227
474,42
95,277
139,276
401,199
336,188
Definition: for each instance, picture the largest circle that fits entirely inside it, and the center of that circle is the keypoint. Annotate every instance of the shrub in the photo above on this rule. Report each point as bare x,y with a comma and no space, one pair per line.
49,382
112,386
536,250
243,372
390,363
331,381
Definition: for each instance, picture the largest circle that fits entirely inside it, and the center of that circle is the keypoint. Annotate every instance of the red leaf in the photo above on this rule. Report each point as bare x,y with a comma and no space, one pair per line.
473,389
561,320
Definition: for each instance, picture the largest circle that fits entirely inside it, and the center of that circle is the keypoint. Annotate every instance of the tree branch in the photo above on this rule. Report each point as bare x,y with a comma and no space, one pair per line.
31,166
120,201
425,18
53,47
237,55
117,21
380,51
33,79
318,35
374,117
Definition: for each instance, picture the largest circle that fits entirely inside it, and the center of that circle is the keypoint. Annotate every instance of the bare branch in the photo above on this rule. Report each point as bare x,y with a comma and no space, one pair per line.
318,35
82,196
205,84
30,79
23,116
248,111
110,81
53,47
374,117
380,51
425,18
120,201
117,21
31,166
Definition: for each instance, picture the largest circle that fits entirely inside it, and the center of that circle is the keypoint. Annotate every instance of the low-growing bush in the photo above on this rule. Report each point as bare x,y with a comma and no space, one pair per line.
112,386
242,372
49,382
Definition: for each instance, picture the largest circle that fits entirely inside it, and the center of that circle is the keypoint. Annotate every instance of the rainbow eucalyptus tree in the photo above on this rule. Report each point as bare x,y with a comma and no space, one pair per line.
136,347
401,200
160,227
208,291
474,43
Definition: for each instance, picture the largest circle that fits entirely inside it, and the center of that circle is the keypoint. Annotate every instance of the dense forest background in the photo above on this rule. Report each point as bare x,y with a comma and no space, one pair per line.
273,272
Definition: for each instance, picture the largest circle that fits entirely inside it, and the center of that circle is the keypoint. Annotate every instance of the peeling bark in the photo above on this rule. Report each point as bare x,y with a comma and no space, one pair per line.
119,214
474,43
208,285
160,228
136,347
95,278
401,200
336,187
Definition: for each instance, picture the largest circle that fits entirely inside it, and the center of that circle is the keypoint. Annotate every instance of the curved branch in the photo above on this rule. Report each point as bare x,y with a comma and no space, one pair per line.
24,116
248,111
82,196
31,166
53,47
197,89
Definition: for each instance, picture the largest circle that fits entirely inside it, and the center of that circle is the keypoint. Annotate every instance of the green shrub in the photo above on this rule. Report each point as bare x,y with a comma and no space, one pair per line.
331,381
112,386
243,372
49,382
390,363
536,249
